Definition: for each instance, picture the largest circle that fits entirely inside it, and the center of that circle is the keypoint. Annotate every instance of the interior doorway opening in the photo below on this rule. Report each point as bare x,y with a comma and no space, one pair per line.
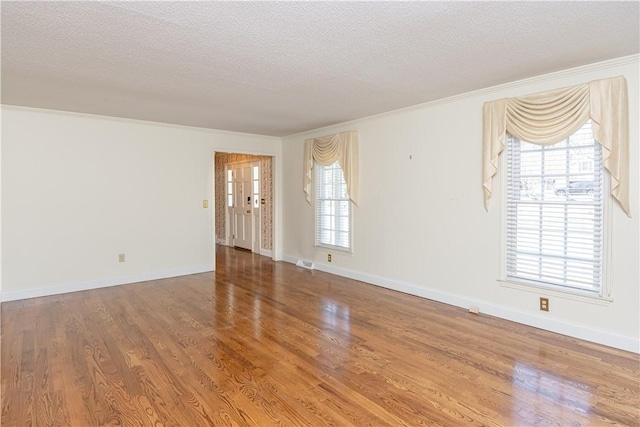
244,202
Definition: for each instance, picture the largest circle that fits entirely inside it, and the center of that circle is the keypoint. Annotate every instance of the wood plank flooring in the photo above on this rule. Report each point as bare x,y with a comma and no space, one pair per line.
271,344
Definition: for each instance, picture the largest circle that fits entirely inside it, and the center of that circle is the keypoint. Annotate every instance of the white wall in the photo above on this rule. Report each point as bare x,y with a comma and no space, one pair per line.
77,190
421,226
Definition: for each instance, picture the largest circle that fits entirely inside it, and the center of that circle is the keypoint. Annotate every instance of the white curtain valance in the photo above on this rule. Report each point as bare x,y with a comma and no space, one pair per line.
549,117
326,150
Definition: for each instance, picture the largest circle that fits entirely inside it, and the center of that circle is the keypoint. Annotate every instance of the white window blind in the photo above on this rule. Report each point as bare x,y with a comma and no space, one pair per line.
555,212
333,207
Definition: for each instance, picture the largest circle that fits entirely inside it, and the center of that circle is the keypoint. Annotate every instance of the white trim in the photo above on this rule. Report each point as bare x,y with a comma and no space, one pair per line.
228,215
538,321
102,283
631,59
603,296
211,207
266,252
290,259
318,169
256,217
228,240
145,122
607,265
329,248
556,291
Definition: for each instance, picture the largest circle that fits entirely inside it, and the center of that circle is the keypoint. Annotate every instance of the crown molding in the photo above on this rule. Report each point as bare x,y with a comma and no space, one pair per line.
137,121
583,69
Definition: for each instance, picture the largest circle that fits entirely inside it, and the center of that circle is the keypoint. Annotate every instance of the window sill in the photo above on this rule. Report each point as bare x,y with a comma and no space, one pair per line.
574,295
334,248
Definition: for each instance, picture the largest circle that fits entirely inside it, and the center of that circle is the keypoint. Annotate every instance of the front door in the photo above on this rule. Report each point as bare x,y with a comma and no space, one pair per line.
242,206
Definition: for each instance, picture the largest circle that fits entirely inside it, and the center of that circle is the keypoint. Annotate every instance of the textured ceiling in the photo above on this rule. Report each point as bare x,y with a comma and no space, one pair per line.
278,68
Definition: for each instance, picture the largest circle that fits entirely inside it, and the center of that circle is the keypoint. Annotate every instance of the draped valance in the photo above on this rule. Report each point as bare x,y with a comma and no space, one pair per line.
326,150
549,117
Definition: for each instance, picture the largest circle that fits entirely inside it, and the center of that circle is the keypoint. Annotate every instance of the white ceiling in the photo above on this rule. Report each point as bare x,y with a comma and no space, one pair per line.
278,68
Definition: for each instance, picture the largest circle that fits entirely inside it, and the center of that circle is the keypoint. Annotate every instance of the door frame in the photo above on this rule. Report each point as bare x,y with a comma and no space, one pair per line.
276,252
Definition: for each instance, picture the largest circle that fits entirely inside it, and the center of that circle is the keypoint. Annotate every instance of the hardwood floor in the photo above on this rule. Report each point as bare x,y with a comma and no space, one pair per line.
264,343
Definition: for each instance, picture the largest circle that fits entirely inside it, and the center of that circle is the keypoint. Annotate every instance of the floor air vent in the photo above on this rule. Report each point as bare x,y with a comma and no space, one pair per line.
305,264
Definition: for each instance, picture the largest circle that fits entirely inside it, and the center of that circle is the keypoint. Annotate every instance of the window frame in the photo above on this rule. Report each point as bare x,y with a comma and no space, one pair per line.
316,237
605,294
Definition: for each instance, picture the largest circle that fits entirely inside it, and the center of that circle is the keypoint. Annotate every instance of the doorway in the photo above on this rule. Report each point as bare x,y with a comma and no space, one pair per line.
244,200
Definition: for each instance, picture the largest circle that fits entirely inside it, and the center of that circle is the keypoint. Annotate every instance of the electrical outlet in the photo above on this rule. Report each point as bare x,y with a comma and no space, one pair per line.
544,304
329,257
205,203
121,258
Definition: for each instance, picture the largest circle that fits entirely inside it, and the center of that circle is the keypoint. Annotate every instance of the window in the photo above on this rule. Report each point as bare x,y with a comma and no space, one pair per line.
554,222
333,208
230,188
256,187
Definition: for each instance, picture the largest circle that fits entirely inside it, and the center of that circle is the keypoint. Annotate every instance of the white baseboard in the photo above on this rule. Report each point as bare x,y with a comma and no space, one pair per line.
221,242
101,283
553,325
266,252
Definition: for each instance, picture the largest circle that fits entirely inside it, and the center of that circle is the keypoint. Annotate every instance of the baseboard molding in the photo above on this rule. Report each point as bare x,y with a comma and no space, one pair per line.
553,325
289,259
266,252
101,283
222,242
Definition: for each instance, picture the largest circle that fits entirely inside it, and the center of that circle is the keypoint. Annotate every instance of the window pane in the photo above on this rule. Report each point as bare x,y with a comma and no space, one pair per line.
555,212
333,208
